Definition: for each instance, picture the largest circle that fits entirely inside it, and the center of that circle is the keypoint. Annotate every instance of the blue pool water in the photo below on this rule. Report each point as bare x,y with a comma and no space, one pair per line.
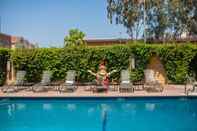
96,114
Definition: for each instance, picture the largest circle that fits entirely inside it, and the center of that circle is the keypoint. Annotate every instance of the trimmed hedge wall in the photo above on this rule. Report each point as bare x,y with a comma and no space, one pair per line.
4,55
177,60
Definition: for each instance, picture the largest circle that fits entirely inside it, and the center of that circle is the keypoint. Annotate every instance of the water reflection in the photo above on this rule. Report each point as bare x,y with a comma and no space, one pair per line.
71,107
104,114
91,110
105,107
183,99
133,115
47,106
4,101
129,107
194,115
20,106
150,106
120,99
11,109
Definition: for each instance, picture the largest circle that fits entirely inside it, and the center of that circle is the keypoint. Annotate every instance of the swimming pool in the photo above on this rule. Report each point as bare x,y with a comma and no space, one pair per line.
98,114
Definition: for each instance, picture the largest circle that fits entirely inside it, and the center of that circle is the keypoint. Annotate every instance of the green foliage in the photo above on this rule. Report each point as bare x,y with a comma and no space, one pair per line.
75,37
163,18
179,60
4,55
34,61
176,60
193,68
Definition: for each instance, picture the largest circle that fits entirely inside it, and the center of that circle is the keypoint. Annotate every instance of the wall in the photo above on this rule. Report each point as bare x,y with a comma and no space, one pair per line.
5,41
159,71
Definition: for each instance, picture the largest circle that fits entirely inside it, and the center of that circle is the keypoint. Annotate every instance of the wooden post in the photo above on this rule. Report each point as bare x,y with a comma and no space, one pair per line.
8,73
13,77
131,62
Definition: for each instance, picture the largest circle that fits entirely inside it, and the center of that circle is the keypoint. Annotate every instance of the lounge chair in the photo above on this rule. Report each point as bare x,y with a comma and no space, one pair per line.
70,84
19,83
125,84
44,84
194,88
151,84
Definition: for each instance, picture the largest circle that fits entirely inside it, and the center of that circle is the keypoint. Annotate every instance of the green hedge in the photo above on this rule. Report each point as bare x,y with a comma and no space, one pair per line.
72,58
4,55
177,60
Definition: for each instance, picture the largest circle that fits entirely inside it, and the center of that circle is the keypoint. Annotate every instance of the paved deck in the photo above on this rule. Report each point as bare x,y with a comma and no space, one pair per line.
170,90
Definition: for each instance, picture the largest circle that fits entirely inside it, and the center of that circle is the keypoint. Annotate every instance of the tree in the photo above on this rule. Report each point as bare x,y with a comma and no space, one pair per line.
163,17
74,37
128,13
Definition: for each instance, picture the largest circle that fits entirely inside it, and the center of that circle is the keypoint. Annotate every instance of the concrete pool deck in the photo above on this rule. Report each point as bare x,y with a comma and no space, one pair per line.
169,90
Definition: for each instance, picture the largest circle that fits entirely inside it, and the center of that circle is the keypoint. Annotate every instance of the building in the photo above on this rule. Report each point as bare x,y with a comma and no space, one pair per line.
8,41
5,41
185,38
103,42
12,42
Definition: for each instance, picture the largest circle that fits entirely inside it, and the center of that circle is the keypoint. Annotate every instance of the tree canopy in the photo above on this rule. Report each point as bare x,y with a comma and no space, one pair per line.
163,18
74,37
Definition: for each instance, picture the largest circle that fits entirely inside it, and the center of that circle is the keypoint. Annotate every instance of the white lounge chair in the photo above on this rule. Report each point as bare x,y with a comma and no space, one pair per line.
126,84
70,84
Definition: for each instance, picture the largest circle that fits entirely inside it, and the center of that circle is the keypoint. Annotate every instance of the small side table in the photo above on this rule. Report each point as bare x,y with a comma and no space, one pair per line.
114,86
89,86
139,85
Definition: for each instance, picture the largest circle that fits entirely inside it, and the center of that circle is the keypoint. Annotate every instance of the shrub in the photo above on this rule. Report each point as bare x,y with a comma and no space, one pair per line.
4,55
175,58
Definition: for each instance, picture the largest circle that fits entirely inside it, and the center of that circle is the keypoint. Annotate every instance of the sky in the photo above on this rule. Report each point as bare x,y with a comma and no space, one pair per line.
46,22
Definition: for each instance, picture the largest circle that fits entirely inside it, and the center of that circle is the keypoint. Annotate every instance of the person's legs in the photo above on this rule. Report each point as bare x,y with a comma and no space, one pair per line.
105,84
